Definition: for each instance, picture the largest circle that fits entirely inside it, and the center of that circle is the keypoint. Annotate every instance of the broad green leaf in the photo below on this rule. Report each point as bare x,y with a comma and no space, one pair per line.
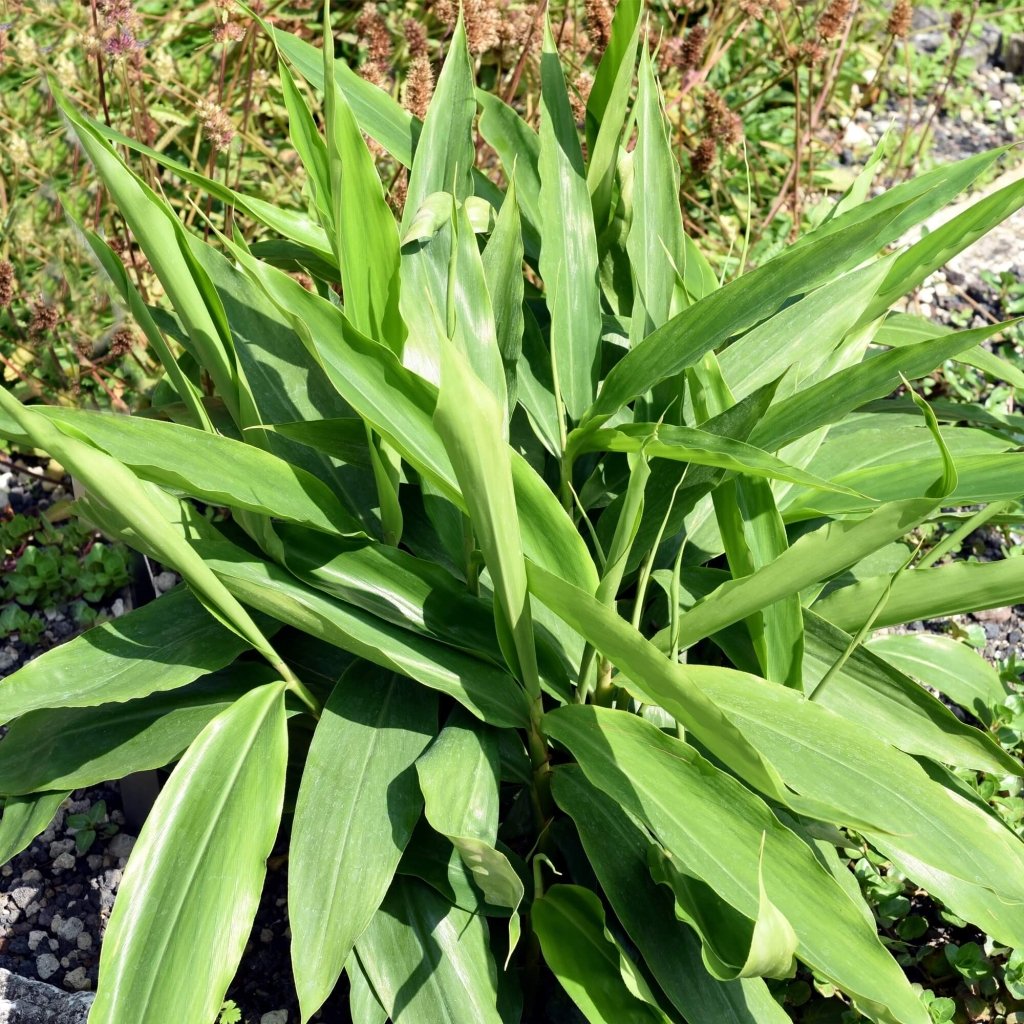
950,667
617,849
24,818
459,777
471,425
118,488
161,646
365,236
429,962
876,693
587,961
213,468
830,399
741,304
490,693
175,883
714,827
734,945
363,1005
379,115
654,679
357,805
518,148
926,594
283,379
626,17
568,256
74,748
343,438
850,774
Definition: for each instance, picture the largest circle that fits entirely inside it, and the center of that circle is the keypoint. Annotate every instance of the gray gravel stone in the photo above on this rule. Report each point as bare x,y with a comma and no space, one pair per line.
47,965
31,1002
24,895
121,846
275,1017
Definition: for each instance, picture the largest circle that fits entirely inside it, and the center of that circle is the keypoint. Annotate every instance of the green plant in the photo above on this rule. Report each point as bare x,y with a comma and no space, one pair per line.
47,566
91,825
229,1013
543,599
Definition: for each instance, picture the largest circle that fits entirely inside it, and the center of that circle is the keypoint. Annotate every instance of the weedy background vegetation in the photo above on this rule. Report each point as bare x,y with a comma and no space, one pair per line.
755,99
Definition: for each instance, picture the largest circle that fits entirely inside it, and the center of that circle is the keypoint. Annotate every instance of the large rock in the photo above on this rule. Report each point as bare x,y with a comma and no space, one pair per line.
34,1002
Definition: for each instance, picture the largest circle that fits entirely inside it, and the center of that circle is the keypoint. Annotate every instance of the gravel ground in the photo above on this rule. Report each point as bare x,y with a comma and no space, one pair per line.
55,900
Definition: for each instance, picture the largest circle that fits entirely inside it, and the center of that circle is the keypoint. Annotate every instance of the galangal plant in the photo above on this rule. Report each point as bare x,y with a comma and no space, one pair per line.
534,635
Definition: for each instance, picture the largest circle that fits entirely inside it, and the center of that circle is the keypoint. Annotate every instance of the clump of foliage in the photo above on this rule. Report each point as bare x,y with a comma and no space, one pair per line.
48,566
544,598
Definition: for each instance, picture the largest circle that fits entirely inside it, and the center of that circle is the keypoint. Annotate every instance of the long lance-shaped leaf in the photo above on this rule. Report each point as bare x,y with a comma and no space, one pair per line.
715,827
901,329
24,818
365,236
658,680
735,946
981,480
197,871
211,467
814,557
162,239
428,960
807,330
75,748
627,15
925,594
618,852
118,274
502,266
606,120
938,247
118,488
341,863
870,690
841,763
847,242
490,693
518,147
295,225
952,668
587,961
310,146
655,240
379,115
832,398
471,426
568,256
459,777
443,163
702,448
161,646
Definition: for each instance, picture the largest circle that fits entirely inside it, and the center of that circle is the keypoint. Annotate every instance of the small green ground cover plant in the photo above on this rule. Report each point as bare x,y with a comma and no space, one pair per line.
48,566
543,613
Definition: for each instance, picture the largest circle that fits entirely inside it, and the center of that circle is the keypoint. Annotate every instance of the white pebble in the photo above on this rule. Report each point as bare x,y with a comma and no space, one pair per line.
275,1017
47,966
